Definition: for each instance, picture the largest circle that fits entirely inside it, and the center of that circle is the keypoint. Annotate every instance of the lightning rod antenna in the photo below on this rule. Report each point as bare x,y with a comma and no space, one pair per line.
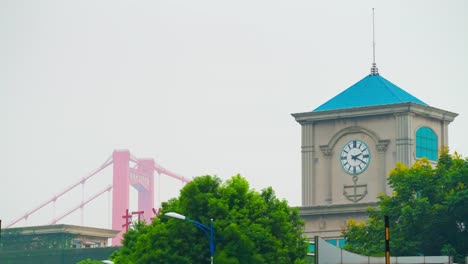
374,69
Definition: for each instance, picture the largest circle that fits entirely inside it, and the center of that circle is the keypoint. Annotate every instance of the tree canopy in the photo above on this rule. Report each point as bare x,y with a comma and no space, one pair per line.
428,212
250,227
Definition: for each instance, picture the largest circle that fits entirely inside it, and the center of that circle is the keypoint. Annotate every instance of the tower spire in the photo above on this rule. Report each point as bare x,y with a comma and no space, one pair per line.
374,69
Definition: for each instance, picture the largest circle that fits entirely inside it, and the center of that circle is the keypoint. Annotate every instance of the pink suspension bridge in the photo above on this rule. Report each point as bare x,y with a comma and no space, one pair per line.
127,171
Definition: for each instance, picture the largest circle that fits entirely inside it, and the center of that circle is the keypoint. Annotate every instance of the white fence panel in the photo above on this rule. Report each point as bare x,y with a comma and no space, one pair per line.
330,254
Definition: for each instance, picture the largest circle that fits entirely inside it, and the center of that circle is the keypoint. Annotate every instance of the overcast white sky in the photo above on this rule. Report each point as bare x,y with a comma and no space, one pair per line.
204,87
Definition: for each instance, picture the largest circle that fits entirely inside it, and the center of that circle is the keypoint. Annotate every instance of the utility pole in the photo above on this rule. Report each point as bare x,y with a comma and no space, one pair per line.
387,241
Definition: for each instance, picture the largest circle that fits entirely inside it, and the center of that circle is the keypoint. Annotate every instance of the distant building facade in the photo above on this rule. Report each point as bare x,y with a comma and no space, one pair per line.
52,244
351,142
57,236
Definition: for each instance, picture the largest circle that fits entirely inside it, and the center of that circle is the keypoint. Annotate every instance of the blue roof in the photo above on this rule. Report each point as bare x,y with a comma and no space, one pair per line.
371,91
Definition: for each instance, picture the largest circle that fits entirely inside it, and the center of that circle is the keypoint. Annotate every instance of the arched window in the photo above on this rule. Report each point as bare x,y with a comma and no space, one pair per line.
426,143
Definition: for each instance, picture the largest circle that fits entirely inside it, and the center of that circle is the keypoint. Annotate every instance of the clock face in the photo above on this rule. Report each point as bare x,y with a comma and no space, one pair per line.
355,157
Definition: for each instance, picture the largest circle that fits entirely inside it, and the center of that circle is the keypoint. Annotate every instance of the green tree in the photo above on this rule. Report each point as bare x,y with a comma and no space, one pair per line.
89,261
250,227
428,212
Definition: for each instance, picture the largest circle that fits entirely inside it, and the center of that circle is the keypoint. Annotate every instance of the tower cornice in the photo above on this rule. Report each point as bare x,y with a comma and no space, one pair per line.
390,109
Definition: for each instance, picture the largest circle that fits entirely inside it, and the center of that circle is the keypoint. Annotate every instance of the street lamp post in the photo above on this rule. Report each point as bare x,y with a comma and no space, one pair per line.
208,230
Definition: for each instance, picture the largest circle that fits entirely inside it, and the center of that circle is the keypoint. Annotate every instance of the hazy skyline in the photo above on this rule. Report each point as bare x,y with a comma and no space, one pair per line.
203,87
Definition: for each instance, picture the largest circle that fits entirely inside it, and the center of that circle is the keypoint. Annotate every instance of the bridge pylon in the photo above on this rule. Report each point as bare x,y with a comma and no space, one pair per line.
141,177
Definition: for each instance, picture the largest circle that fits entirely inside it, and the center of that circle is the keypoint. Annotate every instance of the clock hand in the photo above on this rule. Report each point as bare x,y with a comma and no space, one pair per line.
361,160
355,157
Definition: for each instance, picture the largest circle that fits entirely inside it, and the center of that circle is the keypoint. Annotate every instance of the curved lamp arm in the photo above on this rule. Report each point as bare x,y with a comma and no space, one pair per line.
208,230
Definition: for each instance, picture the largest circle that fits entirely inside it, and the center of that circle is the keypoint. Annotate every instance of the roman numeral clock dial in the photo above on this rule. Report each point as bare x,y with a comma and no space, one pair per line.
355,157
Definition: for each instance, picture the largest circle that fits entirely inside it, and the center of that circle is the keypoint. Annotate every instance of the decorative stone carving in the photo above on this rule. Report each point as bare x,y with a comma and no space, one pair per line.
322,224
359,191
326,151
382,146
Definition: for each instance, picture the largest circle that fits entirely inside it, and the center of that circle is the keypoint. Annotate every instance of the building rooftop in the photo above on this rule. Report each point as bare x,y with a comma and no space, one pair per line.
56,236
67,229
373,90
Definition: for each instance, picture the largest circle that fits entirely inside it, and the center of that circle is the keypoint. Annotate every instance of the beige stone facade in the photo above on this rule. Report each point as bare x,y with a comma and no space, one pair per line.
330,195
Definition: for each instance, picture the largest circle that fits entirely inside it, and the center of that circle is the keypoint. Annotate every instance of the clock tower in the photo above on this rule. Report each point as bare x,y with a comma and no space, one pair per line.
351,142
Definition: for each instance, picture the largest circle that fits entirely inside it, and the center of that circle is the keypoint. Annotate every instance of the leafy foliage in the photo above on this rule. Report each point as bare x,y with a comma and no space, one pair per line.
250,227
428,212
89,261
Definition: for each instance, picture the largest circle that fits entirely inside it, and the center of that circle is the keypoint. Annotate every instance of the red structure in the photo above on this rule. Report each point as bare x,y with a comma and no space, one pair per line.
141,178
127,171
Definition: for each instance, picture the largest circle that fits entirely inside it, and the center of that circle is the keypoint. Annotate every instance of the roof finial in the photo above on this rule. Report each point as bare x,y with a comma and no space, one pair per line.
374,69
